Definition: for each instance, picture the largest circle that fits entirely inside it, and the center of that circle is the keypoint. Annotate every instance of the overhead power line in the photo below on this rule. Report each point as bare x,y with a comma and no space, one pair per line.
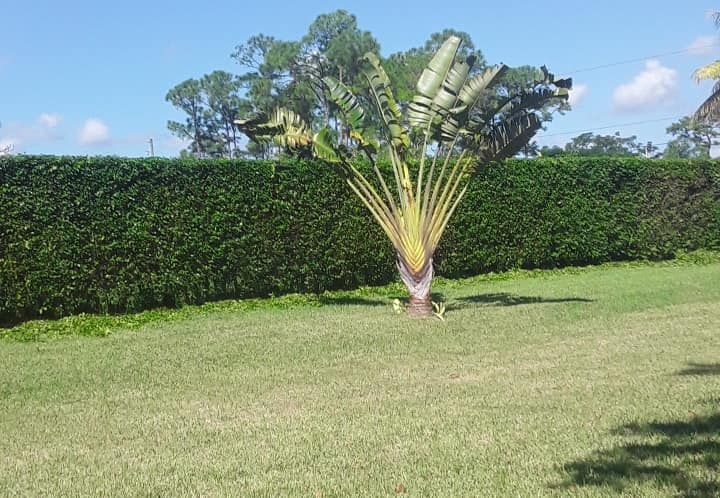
640,59
573,132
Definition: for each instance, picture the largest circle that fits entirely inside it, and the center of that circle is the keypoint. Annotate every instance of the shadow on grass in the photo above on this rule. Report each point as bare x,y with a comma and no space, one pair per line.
491,299
374,301
701,369
681,454
358,301
507,299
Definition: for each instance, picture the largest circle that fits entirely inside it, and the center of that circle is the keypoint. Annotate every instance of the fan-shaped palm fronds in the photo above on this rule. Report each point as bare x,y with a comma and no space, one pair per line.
709,111
448,108
282,127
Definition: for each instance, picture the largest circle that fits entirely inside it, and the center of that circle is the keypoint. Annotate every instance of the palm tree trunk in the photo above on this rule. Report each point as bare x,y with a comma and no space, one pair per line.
418,286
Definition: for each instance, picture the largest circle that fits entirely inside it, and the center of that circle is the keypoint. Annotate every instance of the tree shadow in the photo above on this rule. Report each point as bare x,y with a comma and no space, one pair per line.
701,369
679,454
385,300
491,299
355,300
507,299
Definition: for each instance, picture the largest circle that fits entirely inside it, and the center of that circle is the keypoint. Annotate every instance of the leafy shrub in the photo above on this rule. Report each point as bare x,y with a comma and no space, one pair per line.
114,235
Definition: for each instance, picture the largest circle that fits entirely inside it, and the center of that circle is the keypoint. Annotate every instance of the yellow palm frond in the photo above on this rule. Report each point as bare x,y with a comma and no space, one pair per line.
709,72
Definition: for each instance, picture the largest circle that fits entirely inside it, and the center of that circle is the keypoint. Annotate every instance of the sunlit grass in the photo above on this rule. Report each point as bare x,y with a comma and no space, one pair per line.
579,382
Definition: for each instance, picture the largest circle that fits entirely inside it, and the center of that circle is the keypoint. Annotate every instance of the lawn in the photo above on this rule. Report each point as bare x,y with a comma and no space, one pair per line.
582,383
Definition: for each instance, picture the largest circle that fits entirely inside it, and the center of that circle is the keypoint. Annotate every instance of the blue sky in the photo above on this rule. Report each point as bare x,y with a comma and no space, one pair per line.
81,77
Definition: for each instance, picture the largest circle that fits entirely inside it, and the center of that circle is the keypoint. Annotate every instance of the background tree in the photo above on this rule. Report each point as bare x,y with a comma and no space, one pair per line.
589,144
211,103
277,75
221,93
650,151
551,151
271,77
333,47
186,97
692,139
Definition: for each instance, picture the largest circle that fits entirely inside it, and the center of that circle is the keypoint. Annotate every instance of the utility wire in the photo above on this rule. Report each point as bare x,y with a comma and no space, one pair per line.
640,59
610,126
620,63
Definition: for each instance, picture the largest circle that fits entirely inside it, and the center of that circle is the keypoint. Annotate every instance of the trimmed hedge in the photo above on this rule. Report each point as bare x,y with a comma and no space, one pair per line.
120,235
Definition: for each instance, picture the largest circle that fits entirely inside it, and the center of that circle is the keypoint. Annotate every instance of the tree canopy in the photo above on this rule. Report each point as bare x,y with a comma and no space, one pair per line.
274,73
693,139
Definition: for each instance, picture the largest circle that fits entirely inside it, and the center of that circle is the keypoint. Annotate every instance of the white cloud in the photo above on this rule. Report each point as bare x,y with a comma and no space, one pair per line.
704,45
49,120
656,84
577,93
39,132
94,132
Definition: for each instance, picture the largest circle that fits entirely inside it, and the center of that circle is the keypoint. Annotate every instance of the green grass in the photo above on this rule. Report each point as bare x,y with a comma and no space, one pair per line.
578,382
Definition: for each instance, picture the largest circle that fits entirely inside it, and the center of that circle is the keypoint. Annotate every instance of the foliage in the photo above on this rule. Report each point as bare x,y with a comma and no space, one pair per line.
693,139
277,70
121,235
211,104
590,144
275,74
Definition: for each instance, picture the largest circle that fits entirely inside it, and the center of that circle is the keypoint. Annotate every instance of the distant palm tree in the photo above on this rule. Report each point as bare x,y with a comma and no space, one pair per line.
709,111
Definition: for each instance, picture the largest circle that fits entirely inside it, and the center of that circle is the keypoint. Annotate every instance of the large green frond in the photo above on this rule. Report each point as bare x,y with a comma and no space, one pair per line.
438,91
325,148
387,106
507,138
532,100
282,127
478,85
709,111
348,103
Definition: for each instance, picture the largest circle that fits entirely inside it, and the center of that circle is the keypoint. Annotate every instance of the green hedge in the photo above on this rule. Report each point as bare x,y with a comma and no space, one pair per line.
118,235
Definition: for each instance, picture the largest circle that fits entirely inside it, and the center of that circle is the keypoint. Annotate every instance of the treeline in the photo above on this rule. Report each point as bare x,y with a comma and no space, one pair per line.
691,139
285,73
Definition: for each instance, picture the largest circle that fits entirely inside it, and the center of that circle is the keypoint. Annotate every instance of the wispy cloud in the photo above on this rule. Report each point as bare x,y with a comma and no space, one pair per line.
577,94
49,120
94,132
43,130
704,45
655,85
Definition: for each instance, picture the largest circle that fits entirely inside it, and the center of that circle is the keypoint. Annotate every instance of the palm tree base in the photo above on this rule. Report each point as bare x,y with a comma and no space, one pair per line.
418,286
420,308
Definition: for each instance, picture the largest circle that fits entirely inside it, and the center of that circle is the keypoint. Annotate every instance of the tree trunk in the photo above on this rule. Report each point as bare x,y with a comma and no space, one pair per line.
418,286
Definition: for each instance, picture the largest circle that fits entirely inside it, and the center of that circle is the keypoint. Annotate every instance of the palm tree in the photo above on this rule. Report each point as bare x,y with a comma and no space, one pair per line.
463,121
709,111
